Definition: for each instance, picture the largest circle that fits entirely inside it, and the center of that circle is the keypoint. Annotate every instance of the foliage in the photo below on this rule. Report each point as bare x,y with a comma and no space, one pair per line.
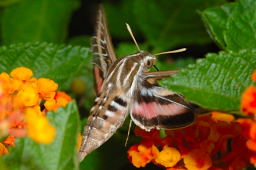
172,26
44,23
221,77
58,62
37,34
224,76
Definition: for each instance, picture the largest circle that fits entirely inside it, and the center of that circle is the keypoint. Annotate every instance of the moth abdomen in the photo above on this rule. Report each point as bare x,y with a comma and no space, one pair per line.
120,101
104,119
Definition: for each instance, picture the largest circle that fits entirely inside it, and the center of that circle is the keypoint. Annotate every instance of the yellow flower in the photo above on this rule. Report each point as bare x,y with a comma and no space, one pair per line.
168,157
218,116
4,77
15,85
140,155
38,127
28,96
21,73
79,141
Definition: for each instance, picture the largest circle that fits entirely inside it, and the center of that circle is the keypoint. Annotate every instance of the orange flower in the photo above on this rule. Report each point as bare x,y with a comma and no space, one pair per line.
176,168
46,88
251,144
197,160
4,81
253,159
9,140
22,73
254,76
141,155
3,149
248,106
246,126
248,102
60,99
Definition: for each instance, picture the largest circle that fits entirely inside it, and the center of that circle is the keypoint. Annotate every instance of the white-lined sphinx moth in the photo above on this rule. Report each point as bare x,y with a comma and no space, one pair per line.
125,86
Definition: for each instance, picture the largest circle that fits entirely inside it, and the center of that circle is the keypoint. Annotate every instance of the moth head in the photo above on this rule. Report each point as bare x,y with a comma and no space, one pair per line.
149,61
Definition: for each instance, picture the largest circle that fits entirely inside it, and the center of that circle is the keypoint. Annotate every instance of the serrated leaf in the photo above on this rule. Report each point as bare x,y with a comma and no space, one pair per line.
58,62
233,25
217,81
60,155
166,23
40,20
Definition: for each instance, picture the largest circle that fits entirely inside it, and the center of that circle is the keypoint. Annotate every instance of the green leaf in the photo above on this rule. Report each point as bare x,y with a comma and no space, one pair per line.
124,49
40,20
58,62
83,40
84,77
2,164
60,155
162,133
174,65
217,81
233,25
117,15
167,23
5,3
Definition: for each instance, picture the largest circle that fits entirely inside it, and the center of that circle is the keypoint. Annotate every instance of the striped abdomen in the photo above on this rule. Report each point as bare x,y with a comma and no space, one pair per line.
106,116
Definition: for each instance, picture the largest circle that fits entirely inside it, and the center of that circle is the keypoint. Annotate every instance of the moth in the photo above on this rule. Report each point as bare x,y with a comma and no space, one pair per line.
124,85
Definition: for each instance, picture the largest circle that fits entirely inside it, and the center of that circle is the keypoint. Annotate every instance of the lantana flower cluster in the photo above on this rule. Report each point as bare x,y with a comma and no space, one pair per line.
248,107
212,142
216,141
24,102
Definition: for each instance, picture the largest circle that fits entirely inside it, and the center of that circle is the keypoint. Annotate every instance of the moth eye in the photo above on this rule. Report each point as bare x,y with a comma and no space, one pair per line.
149,63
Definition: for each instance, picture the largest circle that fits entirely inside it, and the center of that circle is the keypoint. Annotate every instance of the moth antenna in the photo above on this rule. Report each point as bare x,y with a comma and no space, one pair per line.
128,133
133,38
173,51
